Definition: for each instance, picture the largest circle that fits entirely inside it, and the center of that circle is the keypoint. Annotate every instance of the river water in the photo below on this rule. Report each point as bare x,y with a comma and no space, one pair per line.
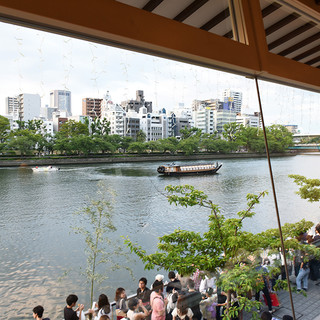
42,259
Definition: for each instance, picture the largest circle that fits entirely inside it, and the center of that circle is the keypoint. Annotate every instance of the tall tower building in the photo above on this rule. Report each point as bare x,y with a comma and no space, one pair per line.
91,107
237,99
29,106
12,107
61,99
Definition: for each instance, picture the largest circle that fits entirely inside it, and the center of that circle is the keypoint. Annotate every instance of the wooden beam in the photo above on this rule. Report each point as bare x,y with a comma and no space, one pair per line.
313,61
307,53
300,45
151,5
189,10
270,8
216,20
281,23
291,35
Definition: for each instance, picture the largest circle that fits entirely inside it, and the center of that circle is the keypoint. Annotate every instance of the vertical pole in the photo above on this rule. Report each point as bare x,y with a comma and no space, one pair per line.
275,197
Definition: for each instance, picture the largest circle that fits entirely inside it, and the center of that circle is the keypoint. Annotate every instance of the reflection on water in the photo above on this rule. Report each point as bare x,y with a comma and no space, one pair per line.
37,245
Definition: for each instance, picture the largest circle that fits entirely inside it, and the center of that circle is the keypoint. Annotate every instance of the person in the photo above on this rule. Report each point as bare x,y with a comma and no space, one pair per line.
182,312
302,278
133,314
38,313
143,293
193,298
157,302
69,313
208,305
103,306
287,317
174,283
121,303
265,289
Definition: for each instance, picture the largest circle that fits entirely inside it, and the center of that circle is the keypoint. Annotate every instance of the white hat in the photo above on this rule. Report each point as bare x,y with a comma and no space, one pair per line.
159,277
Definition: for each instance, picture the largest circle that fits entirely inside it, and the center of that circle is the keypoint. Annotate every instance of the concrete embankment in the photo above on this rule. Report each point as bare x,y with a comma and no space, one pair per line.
129,158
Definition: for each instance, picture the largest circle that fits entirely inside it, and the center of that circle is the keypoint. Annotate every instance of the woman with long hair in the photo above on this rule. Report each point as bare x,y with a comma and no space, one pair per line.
121,303
182,311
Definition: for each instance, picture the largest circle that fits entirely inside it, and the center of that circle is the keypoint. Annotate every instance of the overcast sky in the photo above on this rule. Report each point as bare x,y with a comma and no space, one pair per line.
37,62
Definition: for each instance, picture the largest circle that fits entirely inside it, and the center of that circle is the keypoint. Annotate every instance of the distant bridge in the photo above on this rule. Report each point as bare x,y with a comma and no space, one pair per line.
309,147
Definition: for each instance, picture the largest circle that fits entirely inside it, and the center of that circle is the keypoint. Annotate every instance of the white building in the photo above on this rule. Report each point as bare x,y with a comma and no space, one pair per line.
12,107
155,126
249,120
222,117
204,119
113,113
29,106
61,100
235,97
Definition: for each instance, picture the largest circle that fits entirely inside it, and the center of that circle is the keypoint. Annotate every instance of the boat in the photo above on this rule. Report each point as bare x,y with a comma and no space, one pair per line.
45,169
195,169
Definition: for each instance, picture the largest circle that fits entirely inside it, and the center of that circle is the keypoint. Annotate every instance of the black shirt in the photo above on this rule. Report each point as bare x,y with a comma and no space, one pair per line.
144,295
193,300
175,284
70,314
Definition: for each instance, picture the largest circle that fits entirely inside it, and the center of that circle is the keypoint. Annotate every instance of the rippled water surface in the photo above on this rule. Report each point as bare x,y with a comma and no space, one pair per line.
41,257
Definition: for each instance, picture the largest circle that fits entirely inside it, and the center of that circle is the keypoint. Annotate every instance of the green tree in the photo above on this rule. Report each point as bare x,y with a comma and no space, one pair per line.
189,132
138,147
96,227
153,145
189,145
125,143
309,188
100,127
72,128
230,131
168,144
4,128
224,245
141,136
103,145
23,140
279,138
83,144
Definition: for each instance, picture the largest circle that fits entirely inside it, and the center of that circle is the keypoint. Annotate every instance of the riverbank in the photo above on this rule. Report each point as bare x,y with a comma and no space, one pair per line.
17,162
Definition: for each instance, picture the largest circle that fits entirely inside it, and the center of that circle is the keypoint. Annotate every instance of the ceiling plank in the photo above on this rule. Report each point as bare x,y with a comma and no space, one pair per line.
281,23
307,53
269,9
189,10
300,45
228,35
313,61
291,35
216,20
151,5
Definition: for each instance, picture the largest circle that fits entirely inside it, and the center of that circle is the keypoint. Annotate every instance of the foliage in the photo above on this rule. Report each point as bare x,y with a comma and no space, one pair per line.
187,133
97,225
4,128
138,147
100,127
141,136
310,188
223,246
72,128
23,140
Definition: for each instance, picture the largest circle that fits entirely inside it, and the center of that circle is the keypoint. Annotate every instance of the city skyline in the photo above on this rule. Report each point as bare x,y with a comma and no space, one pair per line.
38,62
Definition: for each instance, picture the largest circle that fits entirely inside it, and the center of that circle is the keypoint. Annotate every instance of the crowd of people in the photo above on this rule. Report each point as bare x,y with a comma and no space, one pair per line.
185,298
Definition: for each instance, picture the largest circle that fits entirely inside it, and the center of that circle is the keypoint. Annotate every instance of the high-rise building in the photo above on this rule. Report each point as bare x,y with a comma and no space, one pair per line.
61,99
235,97
249,120
137,104
114,113
204,119
91,107
29,106
12,107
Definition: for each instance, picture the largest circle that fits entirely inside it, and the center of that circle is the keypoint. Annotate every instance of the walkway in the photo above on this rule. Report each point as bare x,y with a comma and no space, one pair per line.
306,308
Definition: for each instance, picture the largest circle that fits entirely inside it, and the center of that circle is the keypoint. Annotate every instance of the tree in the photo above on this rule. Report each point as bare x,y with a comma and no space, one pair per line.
230,131
189,132
72,128
125,143
141,136
310,188
138,147
224,245
279,138
190,145
23,140
4,128
169,144
97,219
100,127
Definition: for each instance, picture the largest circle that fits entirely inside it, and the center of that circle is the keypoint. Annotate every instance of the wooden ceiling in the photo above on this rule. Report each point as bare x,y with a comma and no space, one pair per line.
277,40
